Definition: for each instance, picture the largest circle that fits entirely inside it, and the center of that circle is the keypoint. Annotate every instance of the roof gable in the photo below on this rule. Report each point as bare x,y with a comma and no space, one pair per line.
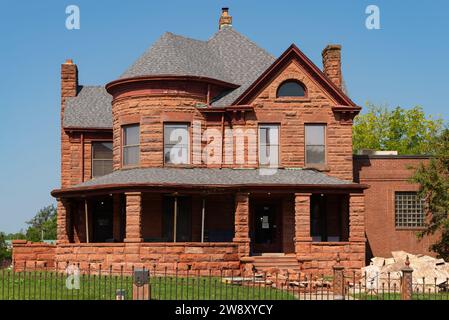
293,53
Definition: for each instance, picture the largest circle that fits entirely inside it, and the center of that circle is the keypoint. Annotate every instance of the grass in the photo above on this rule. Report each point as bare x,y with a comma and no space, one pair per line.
47,285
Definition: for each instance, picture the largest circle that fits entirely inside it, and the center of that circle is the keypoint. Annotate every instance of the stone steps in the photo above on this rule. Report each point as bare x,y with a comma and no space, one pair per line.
282,262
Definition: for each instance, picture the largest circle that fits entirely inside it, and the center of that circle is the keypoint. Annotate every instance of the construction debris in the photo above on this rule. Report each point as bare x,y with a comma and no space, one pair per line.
429,274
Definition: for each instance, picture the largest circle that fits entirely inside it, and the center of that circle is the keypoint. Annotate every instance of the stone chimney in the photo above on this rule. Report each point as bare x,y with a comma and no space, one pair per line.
225,19
332,63
69,80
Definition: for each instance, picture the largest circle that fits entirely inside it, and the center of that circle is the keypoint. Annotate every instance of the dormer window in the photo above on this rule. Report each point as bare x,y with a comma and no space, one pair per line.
131,145
291,88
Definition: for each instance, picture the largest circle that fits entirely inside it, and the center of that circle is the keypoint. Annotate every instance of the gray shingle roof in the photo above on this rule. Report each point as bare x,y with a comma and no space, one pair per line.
227,56
213,177
91,108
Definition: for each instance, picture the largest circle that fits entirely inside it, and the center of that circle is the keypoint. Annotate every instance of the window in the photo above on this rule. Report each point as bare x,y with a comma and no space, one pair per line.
269,145
315,144
131,145
101,158
176,143
291,88
408,210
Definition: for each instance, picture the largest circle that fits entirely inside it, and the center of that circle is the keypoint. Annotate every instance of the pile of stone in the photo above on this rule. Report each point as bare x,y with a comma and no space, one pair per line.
429,274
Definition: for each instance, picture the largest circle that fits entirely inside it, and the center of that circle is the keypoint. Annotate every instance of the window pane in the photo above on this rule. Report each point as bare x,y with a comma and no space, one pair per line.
176,154
131,135
131,155
176,143
176,134
291,89
315,155
314,134
408,210
269,145
101,167
102,150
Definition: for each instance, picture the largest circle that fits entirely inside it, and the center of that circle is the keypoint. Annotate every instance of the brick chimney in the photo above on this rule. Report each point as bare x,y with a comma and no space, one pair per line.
225,19
332,63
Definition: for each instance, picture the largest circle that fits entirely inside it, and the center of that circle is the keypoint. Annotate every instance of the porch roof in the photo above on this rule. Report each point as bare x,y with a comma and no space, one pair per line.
201,178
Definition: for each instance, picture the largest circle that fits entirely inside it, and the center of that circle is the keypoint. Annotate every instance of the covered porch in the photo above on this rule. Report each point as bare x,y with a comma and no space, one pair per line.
310,222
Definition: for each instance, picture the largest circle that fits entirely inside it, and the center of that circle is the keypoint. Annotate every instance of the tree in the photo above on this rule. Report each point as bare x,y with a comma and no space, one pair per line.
5,253
433,179
43,225
407,131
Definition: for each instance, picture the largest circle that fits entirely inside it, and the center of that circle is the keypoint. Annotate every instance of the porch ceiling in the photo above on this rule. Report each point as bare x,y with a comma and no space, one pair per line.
201,178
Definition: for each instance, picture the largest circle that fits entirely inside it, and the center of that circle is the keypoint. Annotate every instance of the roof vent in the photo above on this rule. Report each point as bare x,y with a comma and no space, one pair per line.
225,19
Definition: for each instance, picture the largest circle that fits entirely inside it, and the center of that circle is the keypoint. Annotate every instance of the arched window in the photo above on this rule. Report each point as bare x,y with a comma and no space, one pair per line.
291,88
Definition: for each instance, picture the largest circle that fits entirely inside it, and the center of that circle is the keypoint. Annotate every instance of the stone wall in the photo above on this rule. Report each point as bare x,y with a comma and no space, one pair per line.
29,255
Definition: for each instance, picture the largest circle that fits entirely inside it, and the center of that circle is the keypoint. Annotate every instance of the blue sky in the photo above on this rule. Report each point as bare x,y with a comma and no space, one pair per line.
404,63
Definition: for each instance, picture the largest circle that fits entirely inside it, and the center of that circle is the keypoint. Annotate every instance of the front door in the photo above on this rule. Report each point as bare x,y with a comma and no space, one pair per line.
267,228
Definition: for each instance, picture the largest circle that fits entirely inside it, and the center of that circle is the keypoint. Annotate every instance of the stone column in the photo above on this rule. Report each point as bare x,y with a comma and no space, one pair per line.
407,281
133,217
116,219
338,284
302,226
241,233
357,217
63,221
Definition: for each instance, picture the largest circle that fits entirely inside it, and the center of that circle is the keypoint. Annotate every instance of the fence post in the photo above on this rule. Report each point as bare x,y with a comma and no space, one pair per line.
141,286
338,284
407,281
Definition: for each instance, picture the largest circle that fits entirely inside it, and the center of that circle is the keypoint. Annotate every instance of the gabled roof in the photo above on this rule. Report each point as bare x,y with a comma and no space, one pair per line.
293,53
227,56
91,108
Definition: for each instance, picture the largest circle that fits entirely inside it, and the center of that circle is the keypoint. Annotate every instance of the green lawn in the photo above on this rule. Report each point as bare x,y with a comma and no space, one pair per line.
52,286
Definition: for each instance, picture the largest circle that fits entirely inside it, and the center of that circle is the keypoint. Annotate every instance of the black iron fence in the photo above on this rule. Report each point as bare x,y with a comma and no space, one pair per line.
106,283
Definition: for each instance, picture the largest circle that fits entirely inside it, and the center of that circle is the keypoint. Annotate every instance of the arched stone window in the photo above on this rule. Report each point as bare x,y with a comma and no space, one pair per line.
291,88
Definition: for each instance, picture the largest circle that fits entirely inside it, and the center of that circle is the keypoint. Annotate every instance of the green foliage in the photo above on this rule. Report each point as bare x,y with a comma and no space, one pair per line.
407,131
5,253
43,224
16,236
433,179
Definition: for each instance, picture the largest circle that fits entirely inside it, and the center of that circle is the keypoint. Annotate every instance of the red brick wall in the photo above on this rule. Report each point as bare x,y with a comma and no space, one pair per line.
385,176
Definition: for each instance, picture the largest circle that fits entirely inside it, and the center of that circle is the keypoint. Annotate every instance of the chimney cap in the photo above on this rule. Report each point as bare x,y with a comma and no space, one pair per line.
68,61
330,47
225,19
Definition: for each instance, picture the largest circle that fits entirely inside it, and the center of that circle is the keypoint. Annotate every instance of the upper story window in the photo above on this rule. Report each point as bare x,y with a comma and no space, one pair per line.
176,144
291,88
101,158
131,145
269,145
315,144
409,210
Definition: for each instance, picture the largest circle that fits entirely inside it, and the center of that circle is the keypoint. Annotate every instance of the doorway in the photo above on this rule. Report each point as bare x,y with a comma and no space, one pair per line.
266,227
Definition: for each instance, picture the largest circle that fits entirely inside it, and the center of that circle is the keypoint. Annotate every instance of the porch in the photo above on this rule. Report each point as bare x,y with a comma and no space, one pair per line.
217,230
